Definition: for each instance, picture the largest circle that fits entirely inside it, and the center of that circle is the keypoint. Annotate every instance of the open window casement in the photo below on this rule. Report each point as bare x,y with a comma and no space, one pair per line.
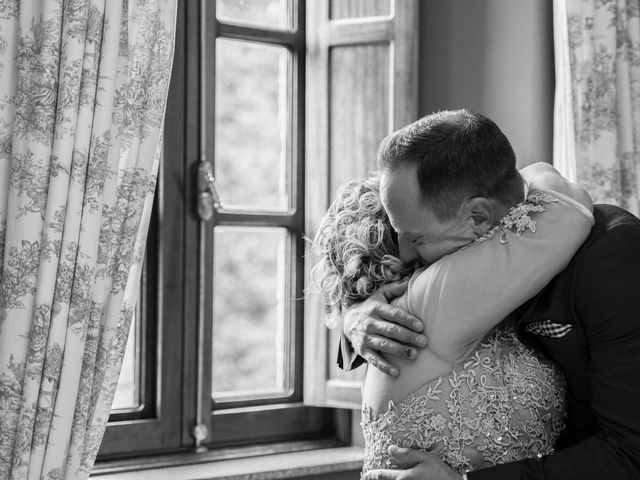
362,84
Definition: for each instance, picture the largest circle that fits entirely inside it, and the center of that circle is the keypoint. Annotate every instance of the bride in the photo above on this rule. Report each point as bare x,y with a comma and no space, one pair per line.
475,395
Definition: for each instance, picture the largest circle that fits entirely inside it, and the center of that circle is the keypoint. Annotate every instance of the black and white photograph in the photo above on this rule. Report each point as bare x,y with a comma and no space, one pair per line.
319,239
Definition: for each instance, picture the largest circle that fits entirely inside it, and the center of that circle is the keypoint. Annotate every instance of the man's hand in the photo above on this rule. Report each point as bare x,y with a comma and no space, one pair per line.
375,328
421,466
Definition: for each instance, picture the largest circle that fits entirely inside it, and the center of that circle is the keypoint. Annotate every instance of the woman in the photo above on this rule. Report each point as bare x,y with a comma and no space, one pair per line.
475,394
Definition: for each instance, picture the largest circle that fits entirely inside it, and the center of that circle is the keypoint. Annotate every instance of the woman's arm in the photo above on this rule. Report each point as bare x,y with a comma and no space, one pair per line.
465,294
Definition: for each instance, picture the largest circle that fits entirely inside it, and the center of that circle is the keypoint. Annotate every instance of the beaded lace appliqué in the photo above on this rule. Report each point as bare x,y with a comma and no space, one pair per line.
518,218
503,404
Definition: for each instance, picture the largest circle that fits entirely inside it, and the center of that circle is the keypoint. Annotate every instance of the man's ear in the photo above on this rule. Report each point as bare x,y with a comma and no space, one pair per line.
479,214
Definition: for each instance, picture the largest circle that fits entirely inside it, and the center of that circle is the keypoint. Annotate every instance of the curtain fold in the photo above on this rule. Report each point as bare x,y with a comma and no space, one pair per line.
83,88
597,111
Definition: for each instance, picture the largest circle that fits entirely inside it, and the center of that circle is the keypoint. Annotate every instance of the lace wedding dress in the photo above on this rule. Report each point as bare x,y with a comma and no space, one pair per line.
504,403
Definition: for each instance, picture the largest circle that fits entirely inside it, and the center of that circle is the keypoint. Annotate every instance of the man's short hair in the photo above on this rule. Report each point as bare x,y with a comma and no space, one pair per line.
460,154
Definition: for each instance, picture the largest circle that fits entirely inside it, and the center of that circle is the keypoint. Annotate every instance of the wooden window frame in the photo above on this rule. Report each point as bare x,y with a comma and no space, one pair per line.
240,422
293,218
177,388
176,315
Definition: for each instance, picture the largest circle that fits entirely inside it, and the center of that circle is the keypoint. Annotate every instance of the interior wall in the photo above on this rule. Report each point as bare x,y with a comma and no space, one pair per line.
495,57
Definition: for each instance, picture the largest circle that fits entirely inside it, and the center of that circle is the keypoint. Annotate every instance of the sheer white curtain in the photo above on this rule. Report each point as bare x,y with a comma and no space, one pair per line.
83,88
597,108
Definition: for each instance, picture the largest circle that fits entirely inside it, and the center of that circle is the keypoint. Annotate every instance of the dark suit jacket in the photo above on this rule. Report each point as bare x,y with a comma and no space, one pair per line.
599,295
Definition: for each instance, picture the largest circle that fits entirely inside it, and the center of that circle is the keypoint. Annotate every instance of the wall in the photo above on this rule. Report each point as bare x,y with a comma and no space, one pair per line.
496,57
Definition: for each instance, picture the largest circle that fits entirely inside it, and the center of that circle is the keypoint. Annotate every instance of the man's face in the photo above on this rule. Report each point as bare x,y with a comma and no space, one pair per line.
420,232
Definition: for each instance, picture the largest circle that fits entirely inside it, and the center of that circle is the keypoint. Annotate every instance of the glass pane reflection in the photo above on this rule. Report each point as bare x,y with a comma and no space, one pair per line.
269,13
251,133
249,319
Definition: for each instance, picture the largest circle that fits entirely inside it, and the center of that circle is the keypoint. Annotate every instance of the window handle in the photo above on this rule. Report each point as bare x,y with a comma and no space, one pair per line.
208,198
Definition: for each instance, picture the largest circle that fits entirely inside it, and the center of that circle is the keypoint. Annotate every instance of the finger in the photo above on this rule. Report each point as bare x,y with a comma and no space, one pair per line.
378,361
398,316
382,475
410,456
390,347
388,329
394,289
395,332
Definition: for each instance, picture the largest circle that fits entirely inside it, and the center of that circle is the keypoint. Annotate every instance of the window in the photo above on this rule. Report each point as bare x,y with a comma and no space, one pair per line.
361,85
271,107
255,109
136,391
215,356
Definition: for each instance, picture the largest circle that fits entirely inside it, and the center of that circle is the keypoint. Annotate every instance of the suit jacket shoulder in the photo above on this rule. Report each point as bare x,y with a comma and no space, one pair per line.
598,294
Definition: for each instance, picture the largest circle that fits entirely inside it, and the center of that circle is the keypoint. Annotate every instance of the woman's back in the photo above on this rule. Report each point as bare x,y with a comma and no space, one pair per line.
504,403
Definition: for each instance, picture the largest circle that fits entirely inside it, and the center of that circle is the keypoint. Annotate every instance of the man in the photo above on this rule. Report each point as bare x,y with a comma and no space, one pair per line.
587,319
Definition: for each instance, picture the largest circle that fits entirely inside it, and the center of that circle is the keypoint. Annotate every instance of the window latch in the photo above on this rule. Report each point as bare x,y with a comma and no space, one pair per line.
208,199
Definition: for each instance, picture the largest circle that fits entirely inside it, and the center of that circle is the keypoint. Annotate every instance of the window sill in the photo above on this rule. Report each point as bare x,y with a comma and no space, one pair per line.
309,463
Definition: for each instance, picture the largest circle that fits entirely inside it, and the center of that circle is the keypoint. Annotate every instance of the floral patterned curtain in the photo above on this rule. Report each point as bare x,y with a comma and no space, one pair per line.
597,116
83,88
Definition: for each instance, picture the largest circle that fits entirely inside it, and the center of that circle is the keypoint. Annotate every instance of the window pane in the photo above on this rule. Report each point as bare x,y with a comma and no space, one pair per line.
359,8
270,13
359,109
128,394
251,125
249,322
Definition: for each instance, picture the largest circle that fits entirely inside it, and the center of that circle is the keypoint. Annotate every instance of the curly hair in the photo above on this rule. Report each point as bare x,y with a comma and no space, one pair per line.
358,248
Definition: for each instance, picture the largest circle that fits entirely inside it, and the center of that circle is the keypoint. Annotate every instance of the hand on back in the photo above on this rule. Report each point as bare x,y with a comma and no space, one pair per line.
379,331
419,465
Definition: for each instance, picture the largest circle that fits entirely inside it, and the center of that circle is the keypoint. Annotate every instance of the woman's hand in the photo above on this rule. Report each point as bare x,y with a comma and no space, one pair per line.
375,328
420,465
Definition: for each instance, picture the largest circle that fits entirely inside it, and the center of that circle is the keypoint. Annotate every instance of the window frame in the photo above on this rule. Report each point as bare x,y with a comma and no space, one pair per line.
176,315
293,218
146,346
286,416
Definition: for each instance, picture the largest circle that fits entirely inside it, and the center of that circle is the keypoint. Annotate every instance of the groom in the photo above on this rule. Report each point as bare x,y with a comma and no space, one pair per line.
587,319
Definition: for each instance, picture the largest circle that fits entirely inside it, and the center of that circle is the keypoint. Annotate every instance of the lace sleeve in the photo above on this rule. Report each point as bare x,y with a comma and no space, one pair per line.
463,295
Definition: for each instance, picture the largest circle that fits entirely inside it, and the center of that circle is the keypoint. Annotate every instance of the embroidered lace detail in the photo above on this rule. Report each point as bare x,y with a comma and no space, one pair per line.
503,404
518,218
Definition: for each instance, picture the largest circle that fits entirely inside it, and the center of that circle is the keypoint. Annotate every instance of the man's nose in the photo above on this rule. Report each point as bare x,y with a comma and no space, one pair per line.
406,250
